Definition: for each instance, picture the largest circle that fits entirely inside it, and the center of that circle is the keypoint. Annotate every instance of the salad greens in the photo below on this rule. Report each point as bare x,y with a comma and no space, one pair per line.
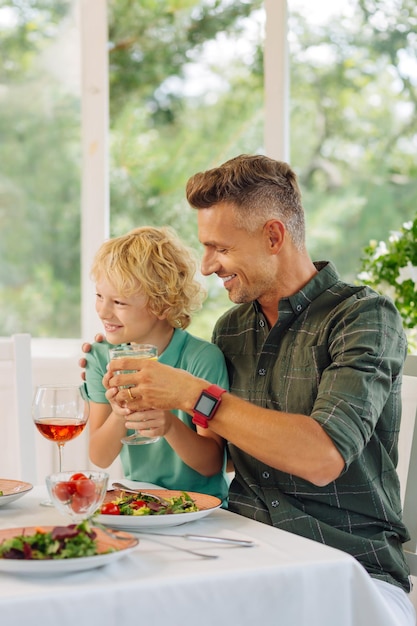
62,542
146,504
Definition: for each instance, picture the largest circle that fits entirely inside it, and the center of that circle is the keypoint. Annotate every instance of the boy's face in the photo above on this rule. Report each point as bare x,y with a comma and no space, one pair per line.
126,319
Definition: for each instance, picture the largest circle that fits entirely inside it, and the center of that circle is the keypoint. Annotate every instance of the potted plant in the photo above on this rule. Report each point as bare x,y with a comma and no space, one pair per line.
391,269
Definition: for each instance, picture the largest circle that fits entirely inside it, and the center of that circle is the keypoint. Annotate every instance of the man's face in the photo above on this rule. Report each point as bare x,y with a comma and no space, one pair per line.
241,259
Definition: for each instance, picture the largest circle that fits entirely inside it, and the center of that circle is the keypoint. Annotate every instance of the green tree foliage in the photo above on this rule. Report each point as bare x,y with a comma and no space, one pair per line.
177,106
157,129
39,177
353,126
153,142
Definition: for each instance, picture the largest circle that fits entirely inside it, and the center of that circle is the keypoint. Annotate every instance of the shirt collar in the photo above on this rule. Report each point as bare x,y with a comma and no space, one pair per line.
325,278
173,351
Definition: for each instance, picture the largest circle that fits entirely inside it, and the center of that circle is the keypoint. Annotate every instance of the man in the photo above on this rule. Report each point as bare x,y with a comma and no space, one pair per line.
315,368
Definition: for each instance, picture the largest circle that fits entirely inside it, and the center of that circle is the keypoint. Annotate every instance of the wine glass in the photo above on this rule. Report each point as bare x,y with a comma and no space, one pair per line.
134,351
77,494
60,413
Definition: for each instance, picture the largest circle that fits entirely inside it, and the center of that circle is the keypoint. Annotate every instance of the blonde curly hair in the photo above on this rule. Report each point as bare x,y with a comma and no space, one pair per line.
155,262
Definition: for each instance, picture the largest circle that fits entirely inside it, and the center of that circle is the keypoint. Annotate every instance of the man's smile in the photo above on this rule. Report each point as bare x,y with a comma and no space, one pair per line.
227,279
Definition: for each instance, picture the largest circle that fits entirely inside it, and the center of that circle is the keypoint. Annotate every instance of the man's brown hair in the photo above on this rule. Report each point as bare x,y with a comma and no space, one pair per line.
258,187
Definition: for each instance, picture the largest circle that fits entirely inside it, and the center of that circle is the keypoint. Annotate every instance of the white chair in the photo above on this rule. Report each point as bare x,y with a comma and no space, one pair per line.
16,359
407,465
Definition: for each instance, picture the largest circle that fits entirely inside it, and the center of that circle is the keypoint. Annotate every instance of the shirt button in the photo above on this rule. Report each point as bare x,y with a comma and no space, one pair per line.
265,474
275,503
262,372
299,307
261,323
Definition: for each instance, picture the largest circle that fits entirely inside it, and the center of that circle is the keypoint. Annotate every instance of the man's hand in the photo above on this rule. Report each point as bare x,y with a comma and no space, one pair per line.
151,384
86,347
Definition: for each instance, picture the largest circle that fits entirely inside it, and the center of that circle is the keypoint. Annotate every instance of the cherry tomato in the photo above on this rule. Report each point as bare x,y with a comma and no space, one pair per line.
138,504
64,490
85,487
110,508
79,503
78,476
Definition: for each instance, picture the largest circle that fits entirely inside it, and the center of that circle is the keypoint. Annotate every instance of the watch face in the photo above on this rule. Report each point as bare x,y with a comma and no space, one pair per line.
206,404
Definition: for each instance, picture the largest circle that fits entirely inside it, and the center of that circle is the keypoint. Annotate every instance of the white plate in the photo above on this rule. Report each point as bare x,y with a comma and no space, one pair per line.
12,490
64,566
206,504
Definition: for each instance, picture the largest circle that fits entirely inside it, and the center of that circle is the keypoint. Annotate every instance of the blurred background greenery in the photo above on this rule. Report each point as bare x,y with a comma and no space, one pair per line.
187,93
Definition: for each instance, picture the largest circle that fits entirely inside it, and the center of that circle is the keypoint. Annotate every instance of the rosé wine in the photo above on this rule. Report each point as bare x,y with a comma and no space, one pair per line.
59,430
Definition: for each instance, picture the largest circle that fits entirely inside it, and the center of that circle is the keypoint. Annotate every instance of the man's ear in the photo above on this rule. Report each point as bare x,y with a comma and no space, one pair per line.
275,233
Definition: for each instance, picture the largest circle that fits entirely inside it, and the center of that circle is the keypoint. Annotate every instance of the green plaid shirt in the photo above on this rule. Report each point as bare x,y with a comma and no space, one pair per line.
336,353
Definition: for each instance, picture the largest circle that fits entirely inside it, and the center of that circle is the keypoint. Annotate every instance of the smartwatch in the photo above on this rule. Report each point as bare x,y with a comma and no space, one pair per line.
207,404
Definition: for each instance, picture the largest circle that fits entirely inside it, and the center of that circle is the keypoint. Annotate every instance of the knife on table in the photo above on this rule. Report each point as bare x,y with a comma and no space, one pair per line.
244,543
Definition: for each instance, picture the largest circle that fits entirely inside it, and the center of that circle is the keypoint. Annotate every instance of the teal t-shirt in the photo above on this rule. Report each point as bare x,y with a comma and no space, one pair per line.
158,463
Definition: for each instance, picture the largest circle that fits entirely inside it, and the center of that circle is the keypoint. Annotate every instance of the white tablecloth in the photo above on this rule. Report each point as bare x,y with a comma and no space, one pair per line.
283,580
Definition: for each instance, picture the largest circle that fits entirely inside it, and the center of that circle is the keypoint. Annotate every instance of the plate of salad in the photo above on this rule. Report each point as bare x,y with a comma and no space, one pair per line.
154,508
11,490
50,550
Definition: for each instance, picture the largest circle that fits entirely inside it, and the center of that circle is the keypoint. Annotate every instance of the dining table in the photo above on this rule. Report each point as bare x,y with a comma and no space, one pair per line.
279,579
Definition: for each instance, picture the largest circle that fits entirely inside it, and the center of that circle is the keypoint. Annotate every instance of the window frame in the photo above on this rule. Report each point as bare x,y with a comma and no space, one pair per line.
95,204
